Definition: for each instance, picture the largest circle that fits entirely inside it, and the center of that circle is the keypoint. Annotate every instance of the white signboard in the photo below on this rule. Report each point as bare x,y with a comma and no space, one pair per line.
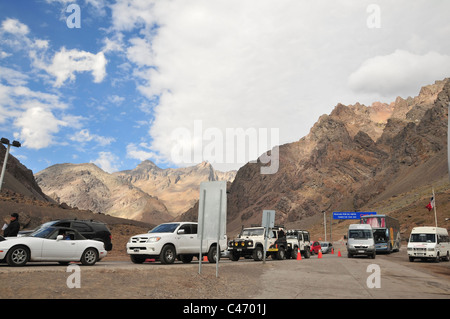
212,208
212,216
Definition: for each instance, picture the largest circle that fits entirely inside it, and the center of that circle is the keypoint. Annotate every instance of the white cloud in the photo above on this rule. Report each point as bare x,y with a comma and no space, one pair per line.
234,64
15,27
84,136
107,161
399,73
37,126
13,77
142,152
66,63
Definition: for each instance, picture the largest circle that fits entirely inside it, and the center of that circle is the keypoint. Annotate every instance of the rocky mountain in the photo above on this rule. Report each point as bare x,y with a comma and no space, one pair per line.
88,187
352,159
177,188
146,193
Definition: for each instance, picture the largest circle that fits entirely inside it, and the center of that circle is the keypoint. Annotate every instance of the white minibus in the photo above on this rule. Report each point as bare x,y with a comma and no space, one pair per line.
429,243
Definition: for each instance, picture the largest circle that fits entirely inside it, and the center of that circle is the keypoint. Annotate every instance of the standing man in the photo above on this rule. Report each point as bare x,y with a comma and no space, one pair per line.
13,228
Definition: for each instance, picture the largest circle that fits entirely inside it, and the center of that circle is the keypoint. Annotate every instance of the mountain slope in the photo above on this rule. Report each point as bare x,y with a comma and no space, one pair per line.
88,187
352,159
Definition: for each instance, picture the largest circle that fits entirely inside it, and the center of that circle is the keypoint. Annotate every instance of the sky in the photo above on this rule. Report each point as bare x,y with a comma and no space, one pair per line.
179,82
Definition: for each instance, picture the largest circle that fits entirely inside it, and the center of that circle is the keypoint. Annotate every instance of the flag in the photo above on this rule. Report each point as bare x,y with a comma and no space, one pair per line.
430,204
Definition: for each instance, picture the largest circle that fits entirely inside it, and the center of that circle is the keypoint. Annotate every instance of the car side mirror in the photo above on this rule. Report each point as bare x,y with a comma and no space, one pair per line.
181,231
59,237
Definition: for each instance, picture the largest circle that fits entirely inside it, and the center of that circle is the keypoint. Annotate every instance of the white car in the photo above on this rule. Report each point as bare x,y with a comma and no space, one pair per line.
58,244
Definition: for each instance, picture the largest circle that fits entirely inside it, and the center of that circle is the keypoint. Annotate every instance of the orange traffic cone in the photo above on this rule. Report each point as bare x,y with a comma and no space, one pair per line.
332,250
320,253
299,255
339,253
205,258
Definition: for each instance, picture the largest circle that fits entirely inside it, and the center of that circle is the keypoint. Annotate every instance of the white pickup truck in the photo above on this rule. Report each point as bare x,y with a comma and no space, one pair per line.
169,241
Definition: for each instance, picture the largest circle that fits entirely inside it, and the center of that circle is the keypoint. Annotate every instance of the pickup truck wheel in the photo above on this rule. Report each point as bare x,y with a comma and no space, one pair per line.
258,254
212,254
136,259
186,259
168,255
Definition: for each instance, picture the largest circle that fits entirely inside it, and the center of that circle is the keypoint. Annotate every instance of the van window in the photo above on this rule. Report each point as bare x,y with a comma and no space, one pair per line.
423,238
360,234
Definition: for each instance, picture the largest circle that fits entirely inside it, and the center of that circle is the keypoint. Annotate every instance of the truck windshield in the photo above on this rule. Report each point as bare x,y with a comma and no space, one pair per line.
253,232
422,238
165,228
360,234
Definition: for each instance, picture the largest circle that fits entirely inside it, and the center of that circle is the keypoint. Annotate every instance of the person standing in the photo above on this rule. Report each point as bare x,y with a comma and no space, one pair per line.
13,228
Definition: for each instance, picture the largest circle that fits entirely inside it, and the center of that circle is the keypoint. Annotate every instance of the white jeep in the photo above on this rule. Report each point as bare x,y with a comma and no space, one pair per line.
170,241
298,240
250,244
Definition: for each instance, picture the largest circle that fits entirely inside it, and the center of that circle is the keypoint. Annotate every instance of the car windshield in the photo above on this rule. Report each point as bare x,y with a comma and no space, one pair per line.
165,228
360,234
324,244
253,232
423,238
42,232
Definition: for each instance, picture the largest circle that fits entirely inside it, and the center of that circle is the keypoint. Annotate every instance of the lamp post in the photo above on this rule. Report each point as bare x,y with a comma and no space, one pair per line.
6,142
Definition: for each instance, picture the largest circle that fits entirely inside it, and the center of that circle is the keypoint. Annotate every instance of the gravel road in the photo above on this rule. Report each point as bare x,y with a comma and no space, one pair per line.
329,277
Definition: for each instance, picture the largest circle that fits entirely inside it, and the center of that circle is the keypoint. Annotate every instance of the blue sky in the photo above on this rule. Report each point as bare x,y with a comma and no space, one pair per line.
120,89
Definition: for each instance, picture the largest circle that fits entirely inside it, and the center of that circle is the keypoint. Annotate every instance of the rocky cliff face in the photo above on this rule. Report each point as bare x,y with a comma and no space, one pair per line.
177,188
19,178
146,193
351,157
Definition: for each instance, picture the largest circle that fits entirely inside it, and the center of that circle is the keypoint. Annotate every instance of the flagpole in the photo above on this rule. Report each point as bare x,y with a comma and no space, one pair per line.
434,206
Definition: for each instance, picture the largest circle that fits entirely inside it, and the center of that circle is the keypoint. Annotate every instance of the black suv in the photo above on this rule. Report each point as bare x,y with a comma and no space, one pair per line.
90,229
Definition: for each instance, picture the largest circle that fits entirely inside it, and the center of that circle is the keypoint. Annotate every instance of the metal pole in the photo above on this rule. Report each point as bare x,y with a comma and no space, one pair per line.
435,217
331,227
218,235
4,166
201,235
325,224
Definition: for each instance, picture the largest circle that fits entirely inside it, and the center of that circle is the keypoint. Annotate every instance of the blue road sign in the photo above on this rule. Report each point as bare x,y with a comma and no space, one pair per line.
351,215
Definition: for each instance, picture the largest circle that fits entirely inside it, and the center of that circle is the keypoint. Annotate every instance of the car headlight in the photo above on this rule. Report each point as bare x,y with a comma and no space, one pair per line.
153,239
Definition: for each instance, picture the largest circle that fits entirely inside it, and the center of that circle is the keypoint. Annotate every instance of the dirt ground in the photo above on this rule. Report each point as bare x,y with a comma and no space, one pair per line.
154,281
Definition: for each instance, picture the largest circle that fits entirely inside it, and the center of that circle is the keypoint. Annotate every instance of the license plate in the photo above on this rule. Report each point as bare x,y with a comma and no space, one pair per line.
239,249
361,251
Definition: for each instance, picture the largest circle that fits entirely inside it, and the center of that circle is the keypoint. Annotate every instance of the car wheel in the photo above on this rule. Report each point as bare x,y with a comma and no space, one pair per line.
307,253
89,257
18,256
258,254
234,256
168,254
281,254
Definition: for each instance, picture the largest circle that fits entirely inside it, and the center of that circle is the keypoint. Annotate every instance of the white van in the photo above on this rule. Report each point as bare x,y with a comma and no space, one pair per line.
429,243
360,241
